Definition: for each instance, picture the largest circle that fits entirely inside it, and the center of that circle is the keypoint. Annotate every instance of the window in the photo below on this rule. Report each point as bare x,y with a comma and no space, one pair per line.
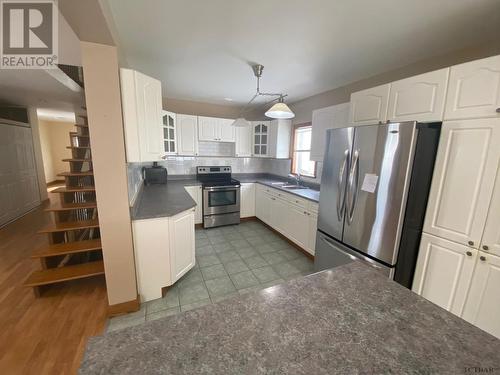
301,152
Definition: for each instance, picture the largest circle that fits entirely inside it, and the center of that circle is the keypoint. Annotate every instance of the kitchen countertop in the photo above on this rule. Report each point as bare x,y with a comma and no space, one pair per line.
347,320
167,200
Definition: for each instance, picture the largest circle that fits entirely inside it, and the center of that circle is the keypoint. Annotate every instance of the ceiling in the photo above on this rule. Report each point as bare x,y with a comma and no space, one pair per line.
202,50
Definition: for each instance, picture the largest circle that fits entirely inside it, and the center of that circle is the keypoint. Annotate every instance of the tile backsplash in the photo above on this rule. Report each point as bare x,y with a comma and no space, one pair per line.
186,165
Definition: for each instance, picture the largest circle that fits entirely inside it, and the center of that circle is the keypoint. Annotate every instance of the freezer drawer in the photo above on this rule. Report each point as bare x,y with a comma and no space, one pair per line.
331,253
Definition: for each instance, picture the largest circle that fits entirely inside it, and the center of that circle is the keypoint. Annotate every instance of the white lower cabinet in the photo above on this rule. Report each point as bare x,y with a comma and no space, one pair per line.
294,217
461,280
247,200
164,250
482,307
196,193
182,245
443,272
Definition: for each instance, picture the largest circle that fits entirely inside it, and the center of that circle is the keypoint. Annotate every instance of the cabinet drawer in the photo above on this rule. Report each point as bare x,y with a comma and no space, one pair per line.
313,207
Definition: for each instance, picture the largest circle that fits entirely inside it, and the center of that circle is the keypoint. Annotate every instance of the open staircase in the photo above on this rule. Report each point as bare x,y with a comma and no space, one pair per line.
74,249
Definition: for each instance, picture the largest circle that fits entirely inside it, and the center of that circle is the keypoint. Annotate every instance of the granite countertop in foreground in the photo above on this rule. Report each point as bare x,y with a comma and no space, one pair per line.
167,200
343,321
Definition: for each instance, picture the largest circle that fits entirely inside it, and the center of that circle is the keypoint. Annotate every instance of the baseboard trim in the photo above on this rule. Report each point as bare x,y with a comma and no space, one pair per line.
250,218
124,307
303,251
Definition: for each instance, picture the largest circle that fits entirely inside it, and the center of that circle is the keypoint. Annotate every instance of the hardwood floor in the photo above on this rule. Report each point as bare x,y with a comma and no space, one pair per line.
44,335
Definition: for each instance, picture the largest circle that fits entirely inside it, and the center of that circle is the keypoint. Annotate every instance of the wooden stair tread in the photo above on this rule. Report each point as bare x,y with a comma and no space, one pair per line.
67,248
70,206
73,174
83,160
60,274
70,225
70,147
75,189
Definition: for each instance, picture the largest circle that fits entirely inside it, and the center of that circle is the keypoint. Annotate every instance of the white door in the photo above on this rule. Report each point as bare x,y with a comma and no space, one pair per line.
227,131
313,227
208,128
196,193
443,272
247,200
243,145
149,116
298,226
280,215
187,135
491,235
19,191
369,106
169,129
264,207
462,185
482,307
182,246
474,90
419,98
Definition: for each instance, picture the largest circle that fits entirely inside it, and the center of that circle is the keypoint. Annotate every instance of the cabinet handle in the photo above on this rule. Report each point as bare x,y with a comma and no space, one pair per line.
469,254
483,258
471,243
485,247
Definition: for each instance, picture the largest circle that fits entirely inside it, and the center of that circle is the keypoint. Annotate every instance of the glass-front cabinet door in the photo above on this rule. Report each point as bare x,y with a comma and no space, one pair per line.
260,138
169,129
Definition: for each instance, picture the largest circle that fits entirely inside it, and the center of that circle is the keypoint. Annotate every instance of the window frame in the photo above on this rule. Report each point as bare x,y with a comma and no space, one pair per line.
293,152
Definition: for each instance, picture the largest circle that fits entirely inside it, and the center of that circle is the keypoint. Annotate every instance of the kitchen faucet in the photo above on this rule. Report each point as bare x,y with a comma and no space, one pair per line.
296,177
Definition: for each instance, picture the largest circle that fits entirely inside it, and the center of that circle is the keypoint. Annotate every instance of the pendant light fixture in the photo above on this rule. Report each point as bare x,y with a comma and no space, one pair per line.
279,110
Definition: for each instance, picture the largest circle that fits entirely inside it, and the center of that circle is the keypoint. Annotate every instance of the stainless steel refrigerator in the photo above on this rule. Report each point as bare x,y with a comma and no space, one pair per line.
374,191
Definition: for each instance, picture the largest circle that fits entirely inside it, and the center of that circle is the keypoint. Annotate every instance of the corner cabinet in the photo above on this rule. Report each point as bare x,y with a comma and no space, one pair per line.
466,166
169,129
187,135
474,90
419,98
164,250
280,135
369,106
142,116
214,129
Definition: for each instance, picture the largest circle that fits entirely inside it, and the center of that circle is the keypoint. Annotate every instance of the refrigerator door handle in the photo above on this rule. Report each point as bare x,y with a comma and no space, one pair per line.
340,197
353,189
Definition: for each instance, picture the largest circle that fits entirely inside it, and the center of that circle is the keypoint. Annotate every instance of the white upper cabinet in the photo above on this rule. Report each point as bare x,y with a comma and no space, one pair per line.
474,90
169,129
491,235
261,138
227,132
419,98
443,272
369,106
280,134
336,116
482,307
182,245
142,116
187,135
243,145
213,129
208,128
464,175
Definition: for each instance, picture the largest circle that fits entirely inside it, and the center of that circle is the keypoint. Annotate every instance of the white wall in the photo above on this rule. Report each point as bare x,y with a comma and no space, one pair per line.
54,137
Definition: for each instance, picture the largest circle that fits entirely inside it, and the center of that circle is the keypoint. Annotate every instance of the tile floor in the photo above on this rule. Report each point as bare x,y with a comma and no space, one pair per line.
230,261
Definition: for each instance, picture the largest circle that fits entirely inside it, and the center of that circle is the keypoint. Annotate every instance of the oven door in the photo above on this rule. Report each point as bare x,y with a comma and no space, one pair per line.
221,200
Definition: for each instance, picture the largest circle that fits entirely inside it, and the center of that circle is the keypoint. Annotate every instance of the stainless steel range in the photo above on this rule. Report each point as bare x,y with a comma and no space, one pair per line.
221,196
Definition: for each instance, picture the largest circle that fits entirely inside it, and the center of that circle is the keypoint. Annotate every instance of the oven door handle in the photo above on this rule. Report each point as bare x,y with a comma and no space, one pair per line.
228,187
